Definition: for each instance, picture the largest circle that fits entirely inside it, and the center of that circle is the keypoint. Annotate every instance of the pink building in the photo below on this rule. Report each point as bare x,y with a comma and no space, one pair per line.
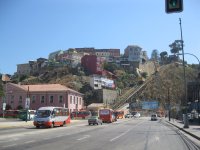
43,95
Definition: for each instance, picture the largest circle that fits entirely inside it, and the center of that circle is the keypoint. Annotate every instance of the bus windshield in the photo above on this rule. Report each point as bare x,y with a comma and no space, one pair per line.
43,113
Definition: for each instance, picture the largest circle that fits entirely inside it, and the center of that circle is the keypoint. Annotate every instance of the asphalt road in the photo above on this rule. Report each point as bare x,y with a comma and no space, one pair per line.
125,134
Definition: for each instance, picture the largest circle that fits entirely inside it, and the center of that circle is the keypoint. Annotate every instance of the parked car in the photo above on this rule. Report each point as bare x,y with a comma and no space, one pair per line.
94,120
154,117
128,116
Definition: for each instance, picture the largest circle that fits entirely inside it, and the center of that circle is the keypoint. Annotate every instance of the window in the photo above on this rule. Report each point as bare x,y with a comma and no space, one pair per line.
12,99
60,99
77,100
20,99
80,101
74,100
42,99
70,99
33,99
51,99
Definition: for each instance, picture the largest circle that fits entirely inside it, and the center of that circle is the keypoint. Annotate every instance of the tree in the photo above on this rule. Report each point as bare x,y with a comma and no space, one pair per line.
144,74
176,46
110,67
155,55
8,107
163,57
19,107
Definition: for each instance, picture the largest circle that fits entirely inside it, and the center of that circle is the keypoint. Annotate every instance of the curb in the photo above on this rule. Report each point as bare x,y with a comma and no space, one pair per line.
27,124
182,129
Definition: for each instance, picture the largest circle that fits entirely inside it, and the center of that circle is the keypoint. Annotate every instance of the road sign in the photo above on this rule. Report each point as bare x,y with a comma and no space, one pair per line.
4,106
27,103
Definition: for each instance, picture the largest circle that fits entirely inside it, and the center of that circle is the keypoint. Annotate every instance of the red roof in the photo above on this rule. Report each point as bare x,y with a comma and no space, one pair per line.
45,88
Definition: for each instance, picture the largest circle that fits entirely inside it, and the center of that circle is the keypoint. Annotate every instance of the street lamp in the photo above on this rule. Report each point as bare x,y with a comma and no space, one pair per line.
191,55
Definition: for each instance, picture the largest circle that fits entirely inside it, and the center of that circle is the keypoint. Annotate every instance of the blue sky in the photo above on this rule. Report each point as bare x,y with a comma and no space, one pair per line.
30,29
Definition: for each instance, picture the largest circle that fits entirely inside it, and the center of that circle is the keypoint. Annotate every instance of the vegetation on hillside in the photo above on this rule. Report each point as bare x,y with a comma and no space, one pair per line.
168,84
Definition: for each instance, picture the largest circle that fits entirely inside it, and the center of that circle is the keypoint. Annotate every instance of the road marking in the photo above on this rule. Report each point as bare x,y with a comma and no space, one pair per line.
86,136
58,136
113,139
157,138
29,142
47,138
9,145
12,139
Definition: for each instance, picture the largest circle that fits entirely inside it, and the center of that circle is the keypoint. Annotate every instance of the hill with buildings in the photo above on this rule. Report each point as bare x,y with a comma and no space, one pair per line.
103,75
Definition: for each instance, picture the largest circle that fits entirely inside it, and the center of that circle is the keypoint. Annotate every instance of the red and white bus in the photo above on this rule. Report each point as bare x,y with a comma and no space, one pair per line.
51,116
107,115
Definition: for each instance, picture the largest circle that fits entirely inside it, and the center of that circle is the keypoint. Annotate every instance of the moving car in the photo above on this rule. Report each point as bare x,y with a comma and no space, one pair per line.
128,116
154,117
137,115
94,120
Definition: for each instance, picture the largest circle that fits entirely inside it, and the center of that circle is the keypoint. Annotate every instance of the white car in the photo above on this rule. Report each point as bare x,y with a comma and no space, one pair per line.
128,116
137,115
154,117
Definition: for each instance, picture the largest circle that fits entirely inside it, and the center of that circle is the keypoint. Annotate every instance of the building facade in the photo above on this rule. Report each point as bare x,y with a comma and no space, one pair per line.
23,69
92,63
107,52
135,53
43,95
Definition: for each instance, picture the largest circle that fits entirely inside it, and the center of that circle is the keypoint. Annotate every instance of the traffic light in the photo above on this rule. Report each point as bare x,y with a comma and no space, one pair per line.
172,6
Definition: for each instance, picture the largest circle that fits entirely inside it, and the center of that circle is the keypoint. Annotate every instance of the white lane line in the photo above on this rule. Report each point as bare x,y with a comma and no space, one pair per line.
9,145
58,136
86,136
29,142
10,140
113,139
48,138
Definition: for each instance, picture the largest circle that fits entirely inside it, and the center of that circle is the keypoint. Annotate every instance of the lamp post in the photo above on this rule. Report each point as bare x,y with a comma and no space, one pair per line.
191,55
169,104
186,123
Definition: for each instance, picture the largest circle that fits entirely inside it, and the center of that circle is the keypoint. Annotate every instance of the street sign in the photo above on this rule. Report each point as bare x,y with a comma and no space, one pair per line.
27,103
4,106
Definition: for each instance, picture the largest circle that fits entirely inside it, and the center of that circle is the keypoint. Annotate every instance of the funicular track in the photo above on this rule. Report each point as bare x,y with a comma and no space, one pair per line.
133,92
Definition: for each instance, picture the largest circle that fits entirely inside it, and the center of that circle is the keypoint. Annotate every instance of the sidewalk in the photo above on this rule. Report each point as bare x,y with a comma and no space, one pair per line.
16,123
193,130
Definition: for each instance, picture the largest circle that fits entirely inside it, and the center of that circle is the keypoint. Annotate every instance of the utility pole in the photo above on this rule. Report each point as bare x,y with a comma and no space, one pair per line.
169,104
27,104
186,123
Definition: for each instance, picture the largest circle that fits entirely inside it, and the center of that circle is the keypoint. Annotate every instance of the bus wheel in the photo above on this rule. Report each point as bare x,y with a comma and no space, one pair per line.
37,127
52,125
64,124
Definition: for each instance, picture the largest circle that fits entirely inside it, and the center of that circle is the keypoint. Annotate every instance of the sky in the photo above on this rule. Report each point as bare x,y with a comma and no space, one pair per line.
30,29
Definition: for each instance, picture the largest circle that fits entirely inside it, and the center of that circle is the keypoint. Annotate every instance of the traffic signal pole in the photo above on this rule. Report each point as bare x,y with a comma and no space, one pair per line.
186,122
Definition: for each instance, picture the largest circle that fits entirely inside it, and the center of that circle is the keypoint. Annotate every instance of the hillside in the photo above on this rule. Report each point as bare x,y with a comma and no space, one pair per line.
169,79
168,84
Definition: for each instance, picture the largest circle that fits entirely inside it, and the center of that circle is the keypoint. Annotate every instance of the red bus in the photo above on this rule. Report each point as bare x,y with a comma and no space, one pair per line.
83,114
107,115
10,114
